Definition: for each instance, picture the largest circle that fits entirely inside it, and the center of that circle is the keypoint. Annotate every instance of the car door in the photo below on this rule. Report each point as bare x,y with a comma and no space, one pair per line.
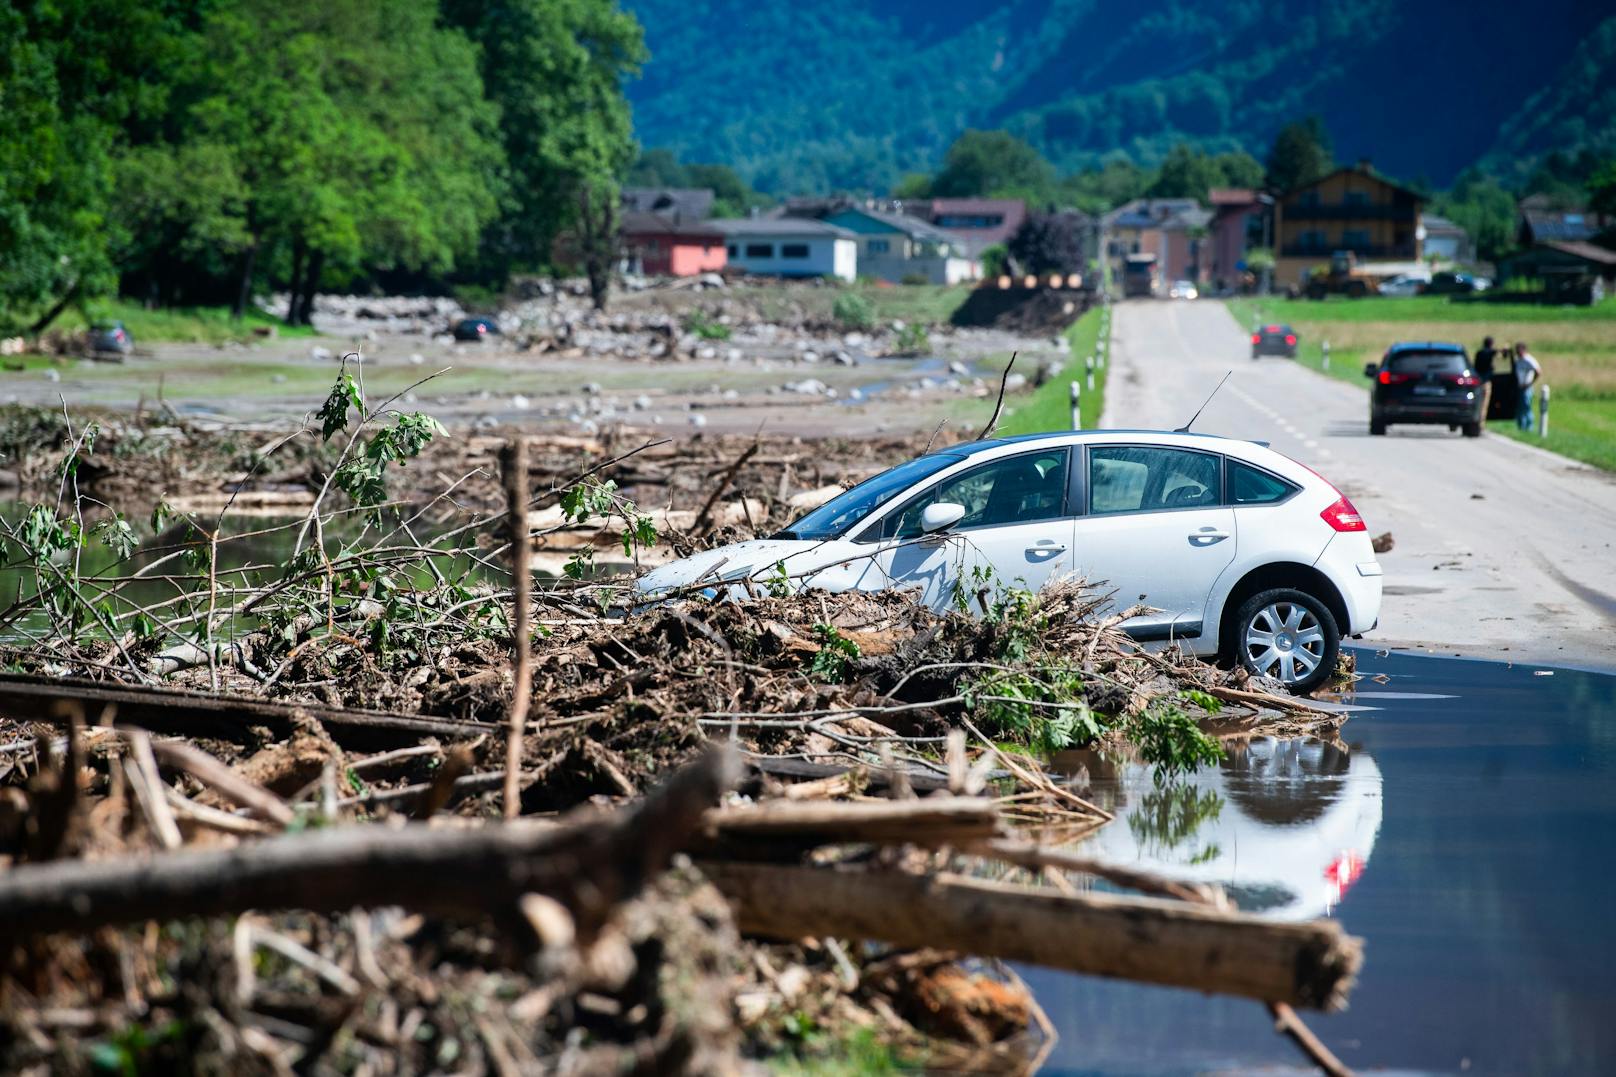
1016,533
1156,533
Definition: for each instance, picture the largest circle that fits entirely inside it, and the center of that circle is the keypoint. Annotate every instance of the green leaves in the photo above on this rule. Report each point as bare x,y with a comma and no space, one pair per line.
592,497
333,414
116,535
834,659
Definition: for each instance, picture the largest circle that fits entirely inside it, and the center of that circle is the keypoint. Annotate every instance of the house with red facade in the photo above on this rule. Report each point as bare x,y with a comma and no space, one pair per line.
661,246
1242,220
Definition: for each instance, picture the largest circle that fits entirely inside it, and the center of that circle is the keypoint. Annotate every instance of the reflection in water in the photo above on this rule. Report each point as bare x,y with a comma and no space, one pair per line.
1482,892
1284,825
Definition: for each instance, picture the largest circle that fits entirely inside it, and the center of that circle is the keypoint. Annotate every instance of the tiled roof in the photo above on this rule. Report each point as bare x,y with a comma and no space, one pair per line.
778,226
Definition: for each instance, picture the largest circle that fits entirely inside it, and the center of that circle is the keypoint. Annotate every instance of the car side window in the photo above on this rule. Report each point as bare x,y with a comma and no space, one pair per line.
1249,486
1016,490
1136,478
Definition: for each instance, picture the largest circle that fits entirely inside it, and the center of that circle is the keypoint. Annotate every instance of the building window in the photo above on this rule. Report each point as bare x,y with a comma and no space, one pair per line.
733,251
877,246
1356,198
1355,239
760,250
1313,240
793,250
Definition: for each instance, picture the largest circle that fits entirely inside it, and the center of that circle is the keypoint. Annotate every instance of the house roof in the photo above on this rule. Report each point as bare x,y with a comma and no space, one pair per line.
1361,169
1231,196
913,227
685,203
1590,252
1147,212
1186,219
655,224
1561,225
1438,225
977,207
780,226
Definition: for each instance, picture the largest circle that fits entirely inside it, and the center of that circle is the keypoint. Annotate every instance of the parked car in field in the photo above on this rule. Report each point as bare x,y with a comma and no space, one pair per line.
468,329
1240,552
1425,382
1455,284
110,338
1183,289
1273,340
1404,284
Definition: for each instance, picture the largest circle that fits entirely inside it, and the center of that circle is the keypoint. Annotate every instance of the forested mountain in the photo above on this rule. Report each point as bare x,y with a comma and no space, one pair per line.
852,93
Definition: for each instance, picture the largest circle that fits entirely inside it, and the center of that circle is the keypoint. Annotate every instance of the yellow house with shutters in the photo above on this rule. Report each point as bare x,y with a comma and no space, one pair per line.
1351,209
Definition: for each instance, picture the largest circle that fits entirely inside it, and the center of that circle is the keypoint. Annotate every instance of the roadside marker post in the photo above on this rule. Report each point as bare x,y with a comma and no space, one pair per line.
1077,406
1326,355
1543,414
1090,366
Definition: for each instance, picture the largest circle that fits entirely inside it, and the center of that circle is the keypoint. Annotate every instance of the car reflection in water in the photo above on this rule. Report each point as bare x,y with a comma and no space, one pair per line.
1284,825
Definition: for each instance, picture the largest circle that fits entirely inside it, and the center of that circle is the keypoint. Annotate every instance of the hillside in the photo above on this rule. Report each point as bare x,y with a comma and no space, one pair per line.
852,93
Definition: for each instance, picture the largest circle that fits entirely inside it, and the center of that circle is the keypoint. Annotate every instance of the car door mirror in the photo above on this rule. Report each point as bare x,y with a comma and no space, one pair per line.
940,516
1371,369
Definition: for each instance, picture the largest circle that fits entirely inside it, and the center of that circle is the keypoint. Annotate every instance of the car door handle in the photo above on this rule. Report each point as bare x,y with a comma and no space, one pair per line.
1207,536
1046,548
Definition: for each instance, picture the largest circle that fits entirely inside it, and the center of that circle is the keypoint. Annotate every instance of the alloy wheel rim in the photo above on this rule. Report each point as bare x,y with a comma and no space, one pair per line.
1284,640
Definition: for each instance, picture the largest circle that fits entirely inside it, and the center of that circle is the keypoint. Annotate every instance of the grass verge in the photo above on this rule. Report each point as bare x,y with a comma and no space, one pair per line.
1050,405
182,325
1576,345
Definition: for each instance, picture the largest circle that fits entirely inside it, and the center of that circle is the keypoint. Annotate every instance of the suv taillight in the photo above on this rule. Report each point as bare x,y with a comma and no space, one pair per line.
1342,516
1389,378
1256,338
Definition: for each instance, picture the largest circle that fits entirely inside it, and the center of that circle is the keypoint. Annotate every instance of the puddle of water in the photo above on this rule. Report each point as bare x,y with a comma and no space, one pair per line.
1466,830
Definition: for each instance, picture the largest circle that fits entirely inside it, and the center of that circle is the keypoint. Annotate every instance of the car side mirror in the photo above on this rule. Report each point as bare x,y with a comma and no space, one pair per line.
940,517
1371,369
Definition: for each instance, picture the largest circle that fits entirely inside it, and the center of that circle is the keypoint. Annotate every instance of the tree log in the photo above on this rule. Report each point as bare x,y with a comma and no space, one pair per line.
589,866
1145,939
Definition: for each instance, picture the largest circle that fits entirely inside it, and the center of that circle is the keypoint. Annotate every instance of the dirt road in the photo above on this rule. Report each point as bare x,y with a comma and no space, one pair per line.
1501,550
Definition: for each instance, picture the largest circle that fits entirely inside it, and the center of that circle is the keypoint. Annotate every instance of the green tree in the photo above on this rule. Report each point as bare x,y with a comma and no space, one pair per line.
1301,154
555,69
1602,189
1484,209
991,163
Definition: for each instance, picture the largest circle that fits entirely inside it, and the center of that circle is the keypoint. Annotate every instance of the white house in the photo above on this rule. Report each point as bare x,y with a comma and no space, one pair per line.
790,247
902,249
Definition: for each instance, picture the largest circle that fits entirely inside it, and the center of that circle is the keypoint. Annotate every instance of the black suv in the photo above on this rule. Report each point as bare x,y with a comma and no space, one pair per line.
1274,340
468,329
1424,383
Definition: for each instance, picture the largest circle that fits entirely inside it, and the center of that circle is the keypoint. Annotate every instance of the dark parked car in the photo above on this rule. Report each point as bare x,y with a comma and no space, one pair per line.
475,329
110,338
1450,284
1424,383
1274,340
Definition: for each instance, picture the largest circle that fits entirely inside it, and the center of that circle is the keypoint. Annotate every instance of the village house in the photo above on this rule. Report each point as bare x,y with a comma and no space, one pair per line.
1175,230
901,249
1543,219
659,246
789,247
1242,221
979,223
1352,209
1446,241
681,204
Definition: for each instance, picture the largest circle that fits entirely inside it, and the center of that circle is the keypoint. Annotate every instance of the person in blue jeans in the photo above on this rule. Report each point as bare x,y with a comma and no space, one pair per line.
1527,372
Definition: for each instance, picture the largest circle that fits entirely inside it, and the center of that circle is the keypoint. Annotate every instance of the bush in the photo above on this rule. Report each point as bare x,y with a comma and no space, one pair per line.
912,340
699,323
853,311
995,260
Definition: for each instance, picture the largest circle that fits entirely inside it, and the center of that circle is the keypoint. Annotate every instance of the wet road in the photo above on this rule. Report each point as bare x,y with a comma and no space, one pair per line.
1501,549
1463,828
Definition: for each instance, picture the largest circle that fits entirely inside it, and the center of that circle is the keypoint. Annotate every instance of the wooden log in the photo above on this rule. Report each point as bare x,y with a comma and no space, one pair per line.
171,712
588,865
1145,939
932,822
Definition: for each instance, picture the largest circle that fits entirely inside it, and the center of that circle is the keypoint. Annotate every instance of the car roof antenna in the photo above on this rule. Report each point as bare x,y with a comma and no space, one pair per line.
1185,429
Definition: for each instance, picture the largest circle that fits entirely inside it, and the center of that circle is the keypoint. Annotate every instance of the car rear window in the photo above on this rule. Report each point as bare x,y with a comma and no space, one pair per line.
1249,486
1427,363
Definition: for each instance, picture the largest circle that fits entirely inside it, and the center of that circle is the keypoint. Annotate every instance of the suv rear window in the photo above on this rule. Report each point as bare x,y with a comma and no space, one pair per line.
1427,363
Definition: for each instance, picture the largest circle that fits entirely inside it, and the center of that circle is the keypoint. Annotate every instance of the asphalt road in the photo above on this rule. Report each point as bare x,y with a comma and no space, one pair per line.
1501,550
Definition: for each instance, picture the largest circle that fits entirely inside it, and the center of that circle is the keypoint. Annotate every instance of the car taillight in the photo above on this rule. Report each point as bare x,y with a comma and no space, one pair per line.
1461,379
1256,338
1342,516
482,329
1389,378
1290,338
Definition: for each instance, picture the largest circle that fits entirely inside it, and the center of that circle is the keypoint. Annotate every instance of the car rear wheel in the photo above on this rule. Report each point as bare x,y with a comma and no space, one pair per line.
1377,427
1472,430
1288,635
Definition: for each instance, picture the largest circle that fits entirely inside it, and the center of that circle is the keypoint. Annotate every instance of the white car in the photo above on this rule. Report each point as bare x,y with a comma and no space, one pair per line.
1402,285
1183,289
1240,552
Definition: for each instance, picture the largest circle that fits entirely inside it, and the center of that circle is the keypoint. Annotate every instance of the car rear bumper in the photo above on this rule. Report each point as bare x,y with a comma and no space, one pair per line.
1349,562
1435,411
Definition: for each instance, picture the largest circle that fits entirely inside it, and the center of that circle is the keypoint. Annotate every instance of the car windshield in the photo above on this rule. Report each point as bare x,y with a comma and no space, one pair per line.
1414,362
846,509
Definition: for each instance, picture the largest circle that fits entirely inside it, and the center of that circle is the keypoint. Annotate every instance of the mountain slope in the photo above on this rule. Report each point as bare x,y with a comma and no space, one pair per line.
850,93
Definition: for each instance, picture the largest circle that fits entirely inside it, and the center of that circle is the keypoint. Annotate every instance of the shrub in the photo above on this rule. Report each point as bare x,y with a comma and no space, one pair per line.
853,311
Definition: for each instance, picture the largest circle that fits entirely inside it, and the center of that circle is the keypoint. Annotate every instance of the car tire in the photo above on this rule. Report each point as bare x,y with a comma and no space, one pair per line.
1278,632
1377,427
1472,430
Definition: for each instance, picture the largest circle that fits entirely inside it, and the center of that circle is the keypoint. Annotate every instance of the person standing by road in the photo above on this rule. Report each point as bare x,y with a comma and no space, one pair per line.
1527,372
1486,359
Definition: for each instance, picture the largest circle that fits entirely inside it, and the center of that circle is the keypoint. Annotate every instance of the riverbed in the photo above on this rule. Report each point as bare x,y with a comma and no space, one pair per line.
1465,827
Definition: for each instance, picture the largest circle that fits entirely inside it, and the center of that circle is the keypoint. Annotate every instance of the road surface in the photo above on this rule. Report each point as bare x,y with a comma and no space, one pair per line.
1501,550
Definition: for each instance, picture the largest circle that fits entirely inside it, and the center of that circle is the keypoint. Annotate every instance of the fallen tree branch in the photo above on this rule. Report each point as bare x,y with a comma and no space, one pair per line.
998,407
1145,939
588,865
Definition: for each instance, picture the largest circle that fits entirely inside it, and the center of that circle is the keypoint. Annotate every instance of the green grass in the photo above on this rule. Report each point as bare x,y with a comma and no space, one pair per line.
1050,406
184,325
1575,346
